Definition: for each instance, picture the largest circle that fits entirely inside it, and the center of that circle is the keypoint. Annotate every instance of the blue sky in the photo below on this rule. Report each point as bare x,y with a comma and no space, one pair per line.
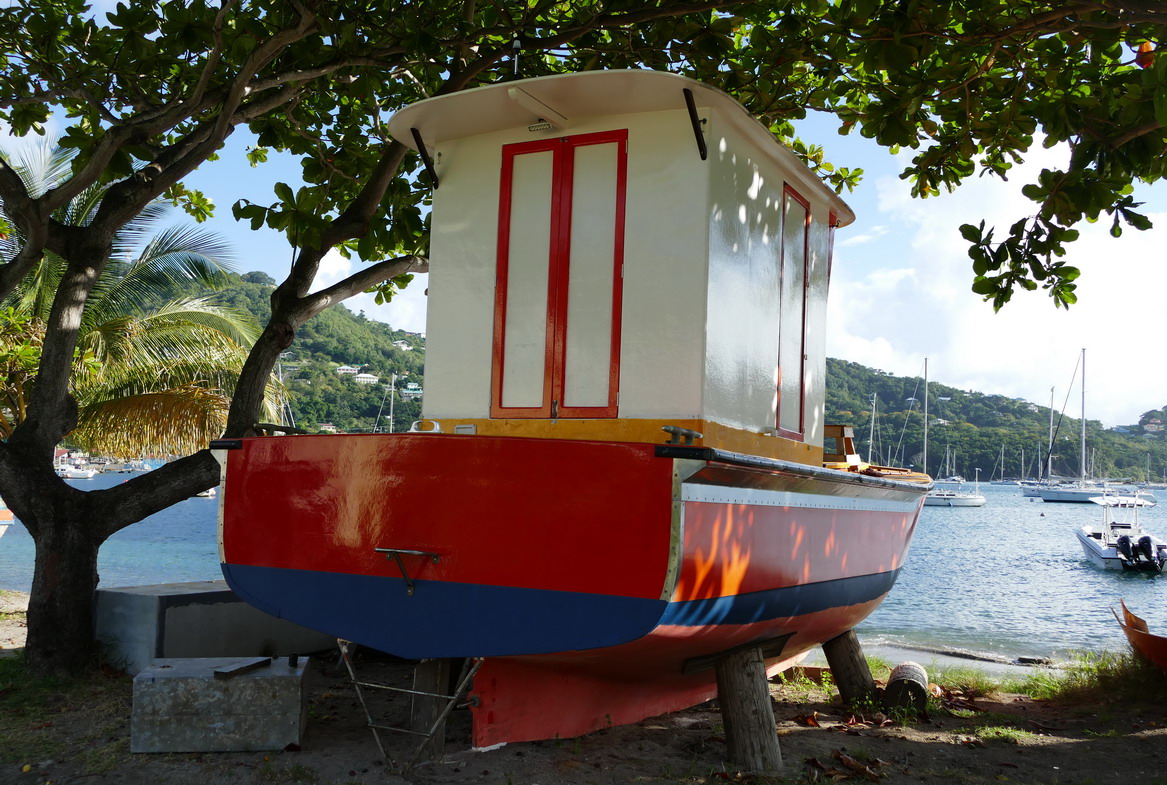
900,284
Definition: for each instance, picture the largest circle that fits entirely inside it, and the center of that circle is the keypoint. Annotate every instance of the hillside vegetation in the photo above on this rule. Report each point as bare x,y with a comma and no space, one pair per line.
316,393
976,428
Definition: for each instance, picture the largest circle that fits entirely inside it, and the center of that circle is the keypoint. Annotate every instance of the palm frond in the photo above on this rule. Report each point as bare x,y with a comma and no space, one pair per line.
176,421
42,166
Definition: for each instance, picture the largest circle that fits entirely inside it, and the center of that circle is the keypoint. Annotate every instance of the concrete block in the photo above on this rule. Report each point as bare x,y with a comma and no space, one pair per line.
138,624
180,706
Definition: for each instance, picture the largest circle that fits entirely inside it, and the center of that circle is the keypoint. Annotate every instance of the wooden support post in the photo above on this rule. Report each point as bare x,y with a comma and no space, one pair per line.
744,693
849,668
430,676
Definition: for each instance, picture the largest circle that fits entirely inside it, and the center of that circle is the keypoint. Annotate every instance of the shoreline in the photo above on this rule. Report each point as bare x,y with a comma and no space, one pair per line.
13,630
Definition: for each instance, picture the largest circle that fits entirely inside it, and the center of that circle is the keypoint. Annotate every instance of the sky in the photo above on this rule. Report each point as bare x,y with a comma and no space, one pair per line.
900,287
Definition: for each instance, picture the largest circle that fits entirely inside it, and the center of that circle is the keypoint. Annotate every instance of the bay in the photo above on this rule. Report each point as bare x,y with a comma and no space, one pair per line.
1010,579
1005,580
176,545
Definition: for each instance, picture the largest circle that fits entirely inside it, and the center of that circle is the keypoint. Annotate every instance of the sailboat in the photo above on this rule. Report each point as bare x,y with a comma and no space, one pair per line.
1084,490
946,497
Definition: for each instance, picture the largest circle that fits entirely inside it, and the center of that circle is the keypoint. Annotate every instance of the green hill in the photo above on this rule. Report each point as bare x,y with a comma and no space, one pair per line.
339,337
977,427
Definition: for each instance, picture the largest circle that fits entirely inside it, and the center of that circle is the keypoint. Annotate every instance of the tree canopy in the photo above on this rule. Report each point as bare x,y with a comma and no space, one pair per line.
971,86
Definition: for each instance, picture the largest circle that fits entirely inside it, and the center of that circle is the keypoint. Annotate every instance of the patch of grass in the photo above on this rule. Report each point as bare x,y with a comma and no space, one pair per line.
1099,678
271,771
1005,733
799,687
879,667
1112,733
106,757
969,680
52,718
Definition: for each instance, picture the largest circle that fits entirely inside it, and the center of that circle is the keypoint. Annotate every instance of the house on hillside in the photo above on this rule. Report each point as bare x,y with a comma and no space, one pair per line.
347,370
366,378
411,390
403,346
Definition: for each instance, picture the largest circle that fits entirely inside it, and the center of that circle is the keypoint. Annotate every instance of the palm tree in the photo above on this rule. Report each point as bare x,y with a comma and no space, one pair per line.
154,370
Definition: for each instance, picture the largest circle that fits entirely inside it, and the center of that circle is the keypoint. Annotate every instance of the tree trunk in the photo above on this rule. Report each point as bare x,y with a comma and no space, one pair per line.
60,610
68,526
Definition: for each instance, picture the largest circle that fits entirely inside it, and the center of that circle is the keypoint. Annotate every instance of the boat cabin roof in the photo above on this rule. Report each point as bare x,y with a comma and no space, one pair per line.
1122,501
560,99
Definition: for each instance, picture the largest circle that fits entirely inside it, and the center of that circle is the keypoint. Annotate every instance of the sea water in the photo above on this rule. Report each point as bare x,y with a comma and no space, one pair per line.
1010,579
1005,580
179,544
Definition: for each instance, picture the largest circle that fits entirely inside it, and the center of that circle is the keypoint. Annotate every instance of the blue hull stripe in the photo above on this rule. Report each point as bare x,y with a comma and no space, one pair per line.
443,619
779,603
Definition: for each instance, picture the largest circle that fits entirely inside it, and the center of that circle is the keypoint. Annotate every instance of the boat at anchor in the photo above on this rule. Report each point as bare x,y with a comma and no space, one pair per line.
623,472
1120,543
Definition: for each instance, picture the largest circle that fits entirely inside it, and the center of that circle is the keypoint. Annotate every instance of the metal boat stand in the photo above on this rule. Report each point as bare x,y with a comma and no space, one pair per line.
426,703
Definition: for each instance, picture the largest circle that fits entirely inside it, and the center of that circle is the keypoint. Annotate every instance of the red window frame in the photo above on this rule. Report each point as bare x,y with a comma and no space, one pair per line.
799,435
559,262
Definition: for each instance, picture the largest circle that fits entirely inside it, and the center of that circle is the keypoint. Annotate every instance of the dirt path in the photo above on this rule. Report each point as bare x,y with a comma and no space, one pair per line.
1004,738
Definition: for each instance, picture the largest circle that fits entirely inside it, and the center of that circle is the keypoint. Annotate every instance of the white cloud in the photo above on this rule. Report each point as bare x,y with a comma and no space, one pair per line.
907,297
407,309
872,234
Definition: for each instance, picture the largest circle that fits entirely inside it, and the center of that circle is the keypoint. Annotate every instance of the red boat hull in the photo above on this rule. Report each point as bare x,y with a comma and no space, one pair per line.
597,578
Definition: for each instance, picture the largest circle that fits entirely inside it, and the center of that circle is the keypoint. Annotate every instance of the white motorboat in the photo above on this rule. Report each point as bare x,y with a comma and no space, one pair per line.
76,473
1120,543
943,497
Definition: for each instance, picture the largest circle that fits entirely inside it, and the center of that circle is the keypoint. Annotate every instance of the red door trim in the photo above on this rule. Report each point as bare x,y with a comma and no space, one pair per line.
799,435
554,373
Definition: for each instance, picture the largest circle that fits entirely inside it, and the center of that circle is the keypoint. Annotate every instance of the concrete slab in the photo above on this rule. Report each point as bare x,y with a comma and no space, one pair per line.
139,624
181,706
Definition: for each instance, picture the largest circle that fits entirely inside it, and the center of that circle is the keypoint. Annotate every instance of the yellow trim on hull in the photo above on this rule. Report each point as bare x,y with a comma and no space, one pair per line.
647,431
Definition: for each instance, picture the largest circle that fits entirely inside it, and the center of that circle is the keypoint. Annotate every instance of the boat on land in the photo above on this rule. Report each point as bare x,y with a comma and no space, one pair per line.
1120,542
622,473
1148,646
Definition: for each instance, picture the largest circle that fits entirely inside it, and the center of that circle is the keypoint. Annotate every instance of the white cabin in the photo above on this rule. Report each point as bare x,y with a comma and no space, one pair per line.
616,251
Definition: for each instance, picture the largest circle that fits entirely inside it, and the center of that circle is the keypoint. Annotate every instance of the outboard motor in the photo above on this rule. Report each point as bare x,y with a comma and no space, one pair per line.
1146,548
1124,547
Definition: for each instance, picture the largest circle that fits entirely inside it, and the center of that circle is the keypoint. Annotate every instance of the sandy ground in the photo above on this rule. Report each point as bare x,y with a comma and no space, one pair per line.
972,739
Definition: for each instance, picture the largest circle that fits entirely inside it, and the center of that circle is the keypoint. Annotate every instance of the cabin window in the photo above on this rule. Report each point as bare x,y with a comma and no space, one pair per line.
792,326
558,285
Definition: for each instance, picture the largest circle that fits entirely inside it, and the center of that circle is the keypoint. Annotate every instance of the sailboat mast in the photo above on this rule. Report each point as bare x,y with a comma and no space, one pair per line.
1049,453
871,433
925,415
1082,469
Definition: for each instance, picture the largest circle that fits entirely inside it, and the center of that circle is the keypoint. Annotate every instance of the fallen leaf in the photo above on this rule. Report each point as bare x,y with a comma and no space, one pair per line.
855,765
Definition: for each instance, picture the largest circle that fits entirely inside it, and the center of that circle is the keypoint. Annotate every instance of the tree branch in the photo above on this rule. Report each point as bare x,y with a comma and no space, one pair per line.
360,281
